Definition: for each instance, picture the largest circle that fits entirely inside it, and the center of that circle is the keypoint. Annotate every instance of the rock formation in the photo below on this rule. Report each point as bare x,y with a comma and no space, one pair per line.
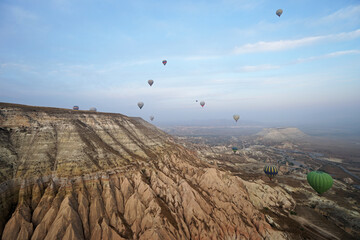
68,174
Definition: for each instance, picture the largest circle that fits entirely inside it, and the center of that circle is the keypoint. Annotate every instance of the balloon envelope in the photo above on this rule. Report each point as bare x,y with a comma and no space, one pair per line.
75,107
234,149
151,118
279,12
236,117
140,105
164,62
92,109
319,181
151,82
202,103
270,171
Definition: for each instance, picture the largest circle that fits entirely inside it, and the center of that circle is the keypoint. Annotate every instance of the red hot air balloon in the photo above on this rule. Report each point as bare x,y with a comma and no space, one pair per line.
164,62
202,103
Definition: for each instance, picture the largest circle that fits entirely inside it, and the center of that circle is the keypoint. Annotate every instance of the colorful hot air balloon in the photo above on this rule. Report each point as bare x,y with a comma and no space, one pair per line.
236,117
279,12
151,118
234,149
202,103
151,82
164,62
75,107
319,181
271,171
140,105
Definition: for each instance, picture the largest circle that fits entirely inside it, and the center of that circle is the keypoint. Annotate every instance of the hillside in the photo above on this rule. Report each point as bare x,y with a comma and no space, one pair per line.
68,174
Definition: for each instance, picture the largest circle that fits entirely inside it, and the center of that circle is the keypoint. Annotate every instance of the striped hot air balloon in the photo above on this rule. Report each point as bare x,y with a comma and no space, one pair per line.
319,181
270,171
75,107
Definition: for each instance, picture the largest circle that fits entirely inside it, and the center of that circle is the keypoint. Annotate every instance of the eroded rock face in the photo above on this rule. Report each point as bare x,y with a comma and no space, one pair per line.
88,175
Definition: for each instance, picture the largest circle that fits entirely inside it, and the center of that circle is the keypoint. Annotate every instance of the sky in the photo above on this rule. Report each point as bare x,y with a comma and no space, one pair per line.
236,55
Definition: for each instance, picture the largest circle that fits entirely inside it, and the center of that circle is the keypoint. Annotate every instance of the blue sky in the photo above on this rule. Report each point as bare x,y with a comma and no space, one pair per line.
237,56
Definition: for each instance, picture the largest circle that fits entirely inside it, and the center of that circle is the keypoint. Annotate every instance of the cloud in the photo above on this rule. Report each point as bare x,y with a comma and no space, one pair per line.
257,68
199,57
325,56
350,12
281,45
21,15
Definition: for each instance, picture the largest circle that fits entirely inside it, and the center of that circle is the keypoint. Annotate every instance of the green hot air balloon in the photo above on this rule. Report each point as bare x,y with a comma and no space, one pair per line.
271,171
234,149
319,181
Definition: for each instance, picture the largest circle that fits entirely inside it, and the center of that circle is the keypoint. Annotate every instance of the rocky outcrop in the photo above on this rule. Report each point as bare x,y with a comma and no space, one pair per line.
88,175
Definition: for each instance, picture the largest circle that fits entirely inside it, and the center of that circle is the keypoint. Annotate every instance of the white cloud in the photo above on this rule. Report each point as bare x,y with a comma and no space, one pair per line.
329,55
350,12
21,15
199,57
281,45
257,68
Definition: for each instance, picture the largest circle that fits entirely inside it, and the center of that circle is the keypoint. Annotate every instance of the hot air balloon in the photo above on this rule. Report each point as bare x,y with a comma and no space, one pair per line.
234,149
319,181
279,12
196,101
202,103
140,104
270,171
151,118
164,62
75,107
93,109
151,82
236,117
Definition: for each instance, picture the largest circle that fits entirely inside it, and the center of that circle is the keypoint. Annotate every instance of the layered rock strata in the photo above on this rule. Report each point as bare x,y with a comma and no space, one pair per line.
87,175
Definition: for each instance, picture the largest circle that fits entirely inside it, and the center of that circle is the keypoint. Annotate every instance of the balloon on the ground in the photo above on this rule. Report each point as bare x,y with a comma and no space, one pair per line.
279,12
320,181
93,109
270,171
151,118
140,105
164,62
236,117
202,103
75,107
151,82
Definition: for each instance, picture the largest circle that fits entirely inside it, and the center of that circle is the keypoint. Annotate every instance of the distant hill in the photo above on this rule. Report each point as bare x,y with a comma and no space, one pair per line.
281,134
